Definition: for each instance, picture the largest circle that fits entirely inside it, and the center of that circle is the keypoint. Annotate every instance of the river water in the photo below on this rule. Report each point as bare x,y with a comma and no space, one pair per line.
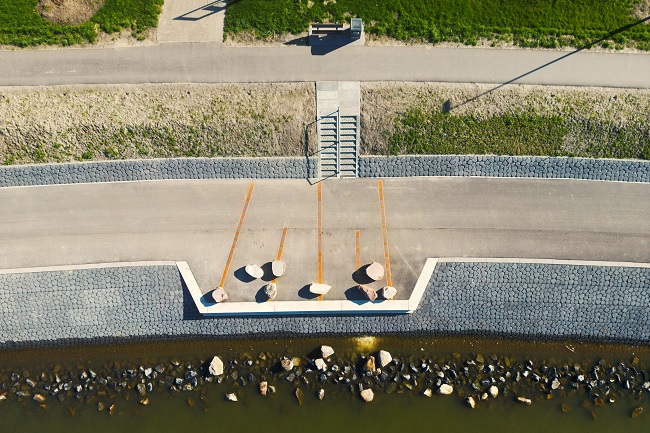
206,408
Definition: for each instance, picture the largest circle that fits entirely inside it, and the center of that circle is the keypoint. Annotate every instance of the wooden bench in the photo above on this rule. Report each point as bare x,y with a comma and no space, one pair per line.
325,28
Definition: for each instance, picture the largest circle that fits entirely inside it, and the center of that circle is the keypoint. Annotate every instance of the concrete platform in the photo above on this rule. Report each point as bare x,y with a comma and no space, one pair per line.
191,21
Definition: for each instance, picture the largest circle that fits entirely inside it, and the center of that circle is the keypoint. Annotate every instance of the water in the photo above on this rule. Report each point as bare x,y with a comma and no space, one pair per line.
340,410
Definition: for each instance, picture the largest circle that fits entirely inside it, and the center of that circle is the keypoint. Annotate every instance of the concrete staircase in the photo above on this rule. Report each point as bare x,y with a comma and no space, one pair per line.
338,111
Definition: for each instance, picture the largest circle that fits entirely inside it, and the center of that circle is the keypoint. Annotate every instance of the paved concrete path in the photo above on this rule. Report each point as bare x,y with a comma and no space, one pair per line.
212,62
191,21
195,221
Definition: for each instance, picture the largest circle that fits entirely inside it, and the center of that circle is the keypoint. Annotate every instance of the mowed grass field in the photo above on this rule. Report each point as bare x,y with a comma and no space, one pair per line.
21,25
527,23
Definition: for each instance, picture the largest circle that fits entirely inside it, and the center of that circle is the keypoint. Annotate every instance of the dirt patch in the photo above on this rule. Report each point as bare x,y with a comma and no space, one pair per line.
642,10
71,12
68,123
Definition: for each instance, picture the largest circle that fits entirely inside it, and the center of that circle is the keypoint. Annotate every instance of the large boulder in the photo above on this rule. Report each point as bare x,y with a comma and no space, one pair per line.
216,366
368,292
320,364
375,271
278,267
388,292
494,391
319,288
271,290
326,351
254,271
367,395
445,389
384,358
219,295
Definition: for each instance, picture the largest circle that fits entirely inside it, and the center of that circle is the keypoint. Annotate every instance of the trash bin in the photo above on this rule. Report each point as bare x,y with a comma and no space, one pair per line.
356,27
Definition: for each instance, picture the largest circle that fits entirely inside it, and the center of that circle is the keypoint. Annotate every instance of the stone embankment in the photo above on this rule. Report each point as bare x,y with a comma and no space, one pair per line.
471,379
302,167
526,300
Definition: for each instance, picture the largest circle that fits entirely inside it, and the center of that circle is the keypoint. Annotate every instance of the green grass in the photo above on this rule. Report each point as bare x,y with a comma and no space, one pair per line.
21,25
420,132
529,23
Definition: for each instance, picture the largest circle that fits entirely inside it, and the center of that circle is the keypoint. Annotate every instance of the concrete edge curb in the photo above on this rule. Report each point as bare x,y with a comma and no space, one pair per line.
87,266
318,307
544,262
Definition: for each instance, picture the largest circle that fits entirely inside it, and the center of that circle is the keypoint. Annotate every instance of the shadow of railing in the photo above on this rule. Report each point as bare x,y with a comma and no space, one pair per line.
210,8
447,105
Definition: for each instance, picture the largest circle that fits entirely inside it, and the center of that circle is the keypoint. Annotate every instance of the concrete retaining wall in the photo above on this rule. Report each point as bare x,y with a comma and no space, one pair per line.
157,169
529,300
505,166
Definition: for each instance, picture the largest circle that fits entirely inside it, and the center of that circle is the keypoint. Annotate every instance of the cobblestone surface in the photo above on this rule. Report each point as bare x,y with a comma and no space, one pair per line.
505,166
535,301
300,167
156,169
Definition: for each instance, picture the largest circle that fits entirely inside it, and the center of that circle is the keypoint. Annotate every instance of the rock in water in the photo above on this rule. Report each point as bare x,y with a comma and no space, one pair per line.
367,395
555,384
370,365
524,400
142,389
326,352
445,389
470,402
494,391
287,364
320,364
219,295
264,387
144,401
375,271
385,358
271,290
319,289
427,392
231,397
216,366
299,396
254,271
39,398
367,291
278,267
636,412
321,394
566,408
388,292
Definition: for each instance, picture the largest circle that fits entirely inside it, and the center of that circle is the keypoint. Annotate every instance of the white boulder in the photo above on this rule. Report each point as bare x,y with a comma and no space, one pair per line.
326,351
320,364
319,288
219,295
367,395
375,271
388,292
494,391
216,366
384,358
445,389
231,397
254,271
278,267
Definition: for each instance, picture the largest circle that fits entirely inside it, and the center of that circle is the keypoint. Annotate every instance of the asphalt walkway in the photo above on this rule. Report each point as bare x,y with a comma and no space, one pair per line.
214,63
195,221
